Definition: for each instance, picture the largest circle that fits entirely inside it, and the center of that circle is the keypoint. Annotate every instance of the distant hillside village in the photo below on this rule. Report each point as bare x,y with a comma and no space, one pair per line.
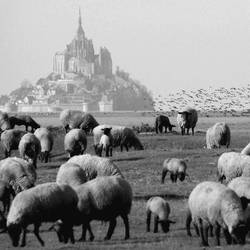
81,80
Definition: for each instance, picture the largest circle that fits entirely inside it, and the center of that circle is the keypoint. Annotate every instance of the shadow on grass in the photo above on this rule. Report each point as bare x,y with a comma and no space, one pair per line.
136,158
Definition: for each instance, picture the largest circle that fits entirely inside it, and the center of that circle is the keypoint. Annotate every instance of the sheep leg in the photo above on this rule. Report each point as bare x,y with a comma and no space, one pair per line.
192,131
84,230
163,175
91,235
36,232
107,151
206,228
187,131
211,231
188,222
126,223
156,221
196,228
217,234
112,225
148,220
24,237
227,236
110,151
203,241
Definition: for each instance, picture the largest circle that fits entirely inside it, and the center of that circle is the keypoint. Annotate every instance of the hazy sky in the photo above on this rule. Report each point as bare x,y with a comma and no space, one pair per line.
167,45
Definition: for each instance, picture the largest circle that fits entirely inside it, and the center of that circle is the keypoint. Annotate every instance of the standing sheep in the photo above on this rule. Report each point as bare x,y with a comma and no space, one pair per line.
161,122
218,135
212,204
25,120
19,173
46,202
46,140
71,174
10,140
94,166
75,142
187,119
160,210
105,143
104,198
176,167
231,165
29,147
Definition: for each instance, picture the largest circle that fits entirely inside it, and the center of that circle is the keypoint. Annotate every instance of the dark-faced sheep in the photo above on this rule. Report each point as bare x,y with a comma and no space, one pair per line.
25,120
187,119
161,122
88,123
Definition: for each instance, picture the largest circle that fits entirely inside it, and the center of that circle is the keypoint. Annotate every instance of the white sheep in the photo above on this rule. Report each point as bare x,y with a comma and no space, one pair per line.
29,148
94,166
218,135
46,140
47,202
212,204
160,210
246,150
19,173
75,142
231,165
187,119
70,174
176,167
10,140
121,136
104,198
241,186
106,145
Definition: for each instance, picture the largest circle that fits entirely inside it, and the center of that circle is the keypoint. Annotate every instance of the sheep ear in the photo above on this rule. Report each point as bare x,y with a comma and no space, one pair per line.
180,113
244,202
171,222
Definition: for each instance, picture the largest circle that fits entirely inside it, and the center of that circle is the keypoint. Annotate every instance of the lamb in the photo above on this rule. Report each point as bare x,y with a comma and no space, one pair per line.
10,140
218,135
176,167
161,210
161,122
105,143
18,173
94,166
46,202
187,119
104,198
29,148
246,150
212,204
71,174
122,136
75,142
231,165
46,140
6,192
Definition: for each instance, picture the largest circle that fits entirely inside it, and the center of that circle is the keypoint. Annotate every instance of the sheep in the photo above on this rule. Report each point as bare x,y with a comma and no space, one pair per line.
25,120
103,198
75,142
71,174
4,122
46,140
122,136
88,123
246,150
47,202
218,135
18,173
161,122
29,148
105,143
241,186
6,191
231,165
10,140
212,204
176,167
187,119
94,166
161,210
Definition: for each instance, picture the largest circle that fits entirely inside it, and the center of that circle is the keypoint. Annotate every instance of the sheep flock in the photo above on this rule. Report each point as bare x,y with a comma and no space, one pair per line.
57,177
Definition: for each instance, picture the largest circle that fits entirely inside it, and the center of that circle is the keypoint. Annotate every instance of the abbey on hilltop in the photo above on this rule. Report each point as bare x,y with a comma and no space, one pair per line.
79,57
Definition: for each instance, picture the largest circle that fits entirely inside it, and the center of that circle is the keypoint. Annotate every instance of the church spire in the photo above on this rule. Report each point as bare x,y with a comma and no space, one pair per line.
80,17
80,31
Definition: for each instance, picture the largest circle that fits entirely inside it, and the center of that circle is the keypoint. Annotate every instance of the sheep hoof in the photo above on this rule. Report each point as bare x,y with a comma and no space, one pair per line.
91,238
81,239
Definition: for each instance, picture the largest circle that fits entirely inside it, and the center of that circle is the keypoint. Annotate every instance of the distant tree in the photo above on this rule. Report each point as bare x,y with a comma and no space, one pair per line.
4,99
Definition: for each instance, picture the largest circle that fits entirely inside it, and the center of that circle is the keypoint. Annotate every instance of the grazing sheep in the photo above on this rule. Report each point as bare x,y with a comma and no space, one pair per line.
241,186
122,136
75,142
71,174
88,123
104,198
212,204
94,166
161,122
10,140
218,135
160,210
246,150
176,167
19,173
46,140
6,191
29,147
4,122
231,165
25,120
46,202
187,119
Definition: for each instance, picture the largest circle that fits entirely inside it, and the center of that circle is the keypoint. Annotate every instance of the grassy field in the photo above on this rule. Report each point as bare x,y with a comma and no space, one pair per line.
143,170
